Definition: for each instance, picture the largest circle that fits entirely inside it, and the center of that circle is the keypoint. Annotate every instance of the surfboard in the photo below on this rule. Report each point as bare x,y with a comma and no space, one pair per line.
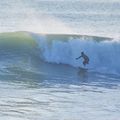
82,72
83,69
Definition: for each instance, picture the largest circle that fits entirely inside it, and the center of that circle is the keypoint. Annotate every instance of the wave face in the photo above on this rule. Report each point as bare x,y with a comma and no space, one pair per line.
61,49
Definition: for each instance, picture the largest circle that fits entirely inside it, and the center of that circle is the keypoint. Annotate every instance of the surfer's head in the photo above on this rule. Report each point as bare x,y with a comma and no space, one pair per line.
82,53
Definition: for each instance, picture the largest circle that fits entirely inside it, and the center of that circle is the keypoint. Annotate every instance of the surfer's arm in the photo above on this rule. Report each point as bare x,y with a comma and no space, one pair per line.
78,57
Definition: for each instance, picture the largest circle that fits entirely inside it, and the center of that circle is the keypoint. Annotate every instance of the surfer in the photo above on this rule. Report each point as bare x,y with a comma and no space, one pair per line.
85,57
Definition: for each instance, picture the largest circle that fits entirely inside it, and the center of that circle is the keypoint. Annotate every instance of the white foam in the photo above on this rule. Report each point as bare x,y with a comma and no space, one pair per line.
104,55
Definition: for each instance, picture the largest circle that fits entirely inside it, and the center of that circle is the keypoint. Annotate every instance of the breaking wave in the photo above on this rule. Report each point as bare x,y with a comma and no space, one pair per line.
63,49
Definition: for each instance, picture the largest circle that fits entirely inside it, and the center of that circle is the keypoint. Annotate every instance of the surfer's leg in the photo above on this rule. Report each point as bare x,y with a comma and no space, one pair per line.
84,63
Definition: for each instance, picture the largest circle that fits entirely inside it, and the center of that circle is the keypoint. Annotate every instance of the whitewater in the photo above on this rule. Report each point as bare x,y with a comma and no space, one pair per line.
40,77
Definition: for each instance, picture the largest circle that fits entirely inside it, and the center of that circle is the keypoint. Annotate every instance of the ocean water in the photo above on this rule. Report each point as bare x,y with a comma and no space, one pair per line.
39,75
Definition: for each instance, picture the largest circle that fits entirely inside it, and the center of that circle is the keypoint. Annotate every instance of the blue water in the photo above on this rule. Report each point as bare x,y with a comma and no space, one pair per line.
39,75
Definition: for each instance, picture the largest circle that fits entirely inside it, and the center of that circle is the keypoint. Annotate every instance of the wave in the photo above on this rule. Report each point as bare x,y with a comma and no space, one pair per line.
63,49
